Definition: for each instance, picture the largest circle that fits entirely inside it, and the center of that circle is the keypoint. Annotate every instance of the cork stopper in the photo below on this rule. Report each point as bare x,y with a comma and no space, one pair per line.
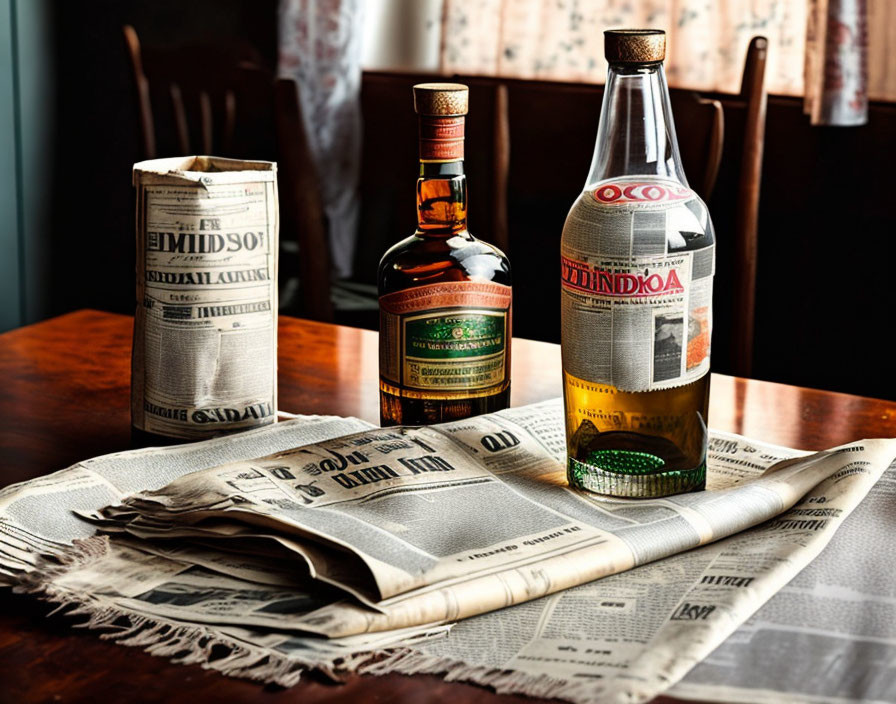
634,46
441,98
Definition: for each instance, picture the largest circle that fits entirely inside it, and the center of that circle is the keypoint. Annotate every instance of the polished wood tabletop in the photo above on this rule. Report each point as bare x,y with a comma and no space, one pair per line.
64,397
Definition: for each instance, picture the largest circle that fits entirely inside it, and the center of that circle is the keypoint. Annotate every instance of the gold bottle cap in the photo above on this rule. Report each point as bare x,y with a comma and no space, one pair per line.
441,98
634,46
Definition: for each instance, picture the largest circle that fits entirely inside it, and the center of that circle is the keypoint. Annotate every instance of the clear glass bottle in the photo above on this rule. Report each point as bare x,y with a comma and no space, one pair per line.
445,317
637,262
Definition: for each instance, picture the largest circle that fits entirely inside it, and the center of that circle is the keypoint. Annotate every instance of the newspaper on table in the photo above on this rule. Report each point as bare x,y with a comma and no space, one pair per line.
205,328
330,533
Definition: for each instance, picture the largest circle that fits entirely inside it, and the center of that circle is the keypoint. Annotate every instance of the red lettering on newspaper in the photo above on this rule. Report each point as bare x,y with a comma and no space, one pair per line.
584,277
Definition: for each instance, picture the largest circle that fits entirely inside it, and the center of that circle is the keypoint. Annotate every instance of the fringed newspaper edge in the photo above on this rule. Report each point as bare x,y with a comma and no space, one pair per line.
184,644
193,644
408,661
189,643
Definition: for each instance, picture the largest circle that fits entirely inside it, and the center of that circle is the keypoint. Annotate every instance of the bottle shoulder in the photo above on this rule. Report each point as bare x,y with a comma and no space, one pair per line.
661,215
420,260
463,242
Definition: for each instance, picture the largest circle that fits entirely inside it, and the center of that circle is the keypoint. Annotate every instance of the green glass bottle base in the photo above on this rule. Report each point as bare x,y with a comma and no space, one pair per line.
632,474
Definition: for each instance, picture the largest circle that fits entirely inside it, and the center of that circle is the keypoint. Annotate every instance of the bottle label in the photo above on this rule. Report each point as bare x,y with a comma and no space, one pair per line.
637,261
441,138
447,340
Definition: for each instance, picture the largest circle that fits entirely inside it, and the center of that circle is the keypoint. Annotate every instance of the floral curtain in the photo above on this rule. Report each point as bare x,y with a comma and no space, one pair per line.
320,47
706,45
881,57
705,49
837,62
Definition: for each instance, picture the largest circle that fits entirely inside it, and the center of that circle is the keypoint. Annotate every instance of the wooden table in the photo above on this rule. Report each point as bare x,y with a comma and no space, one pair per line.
64,397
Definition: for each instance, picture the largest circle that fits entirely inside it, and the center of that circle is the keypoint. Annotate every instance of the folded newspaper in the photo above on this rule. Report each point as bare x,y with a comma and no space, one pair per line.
328,543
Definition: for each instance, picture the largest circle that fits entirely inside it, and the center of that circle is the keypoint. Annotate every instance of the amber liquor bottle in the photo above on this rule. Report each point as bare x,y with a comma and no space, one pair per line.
445,297
636,288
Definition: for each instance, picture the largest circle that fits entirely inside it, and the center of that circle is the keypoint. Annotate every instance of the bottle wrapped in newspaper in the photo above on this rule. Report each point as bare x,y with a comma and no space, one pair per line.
205,332
637,262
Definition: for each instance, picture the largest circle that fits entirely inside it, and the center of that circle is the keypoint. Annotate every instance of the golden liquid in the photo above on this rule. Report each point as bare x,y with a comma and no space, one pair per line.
648,443
397,408
670,424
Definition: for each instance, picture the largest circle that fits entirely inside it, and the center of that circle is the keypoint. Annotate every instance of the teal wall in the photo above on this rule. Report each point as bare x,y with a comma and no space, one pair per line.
10,243
26,147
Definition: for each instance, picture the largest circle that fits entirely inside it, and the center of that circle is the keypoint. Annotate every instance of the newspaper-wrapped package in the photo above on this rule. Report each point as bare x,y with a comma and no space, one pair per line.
433,524
205,331
257,544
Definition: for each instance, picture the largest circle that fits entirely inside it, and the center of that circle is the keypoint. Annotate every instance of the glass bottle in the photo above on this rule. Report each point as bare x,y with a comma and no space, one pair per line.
445,297
637,262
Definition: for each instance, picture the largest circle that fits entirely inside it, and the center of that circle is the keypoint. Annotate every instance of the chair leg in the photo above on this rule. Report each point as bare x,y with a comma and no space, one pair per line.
301,202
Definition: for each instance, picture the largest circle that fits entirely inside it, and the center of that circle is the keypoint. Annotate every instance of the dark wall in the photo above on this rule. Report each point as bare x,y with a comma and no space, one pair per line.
827,221
825,300
827,224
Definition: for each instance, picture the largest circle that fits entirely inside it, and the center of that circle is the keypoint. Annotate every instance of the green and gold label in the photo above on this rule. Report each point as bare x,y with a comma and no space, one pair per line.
449,339
456,350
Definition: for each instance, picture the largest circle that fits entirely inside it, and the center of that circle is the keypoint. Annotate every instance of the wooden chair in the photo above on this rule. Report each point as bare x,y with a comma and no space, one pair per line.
488,160
552,129
700,143
221,101
389,167
753,96
700,128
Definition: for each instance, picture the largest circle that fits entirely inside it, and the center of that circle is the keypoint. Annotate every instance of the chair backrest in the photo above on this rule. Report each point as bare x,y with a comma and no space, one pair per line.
221,101
488,160
573,109
389,165
192,98
553,126
753,96
700,128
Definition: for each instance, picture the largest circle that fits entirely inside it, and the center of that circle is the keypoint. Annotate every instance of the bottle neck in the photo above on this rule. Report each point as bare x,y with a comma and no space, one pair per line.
442,186
636,135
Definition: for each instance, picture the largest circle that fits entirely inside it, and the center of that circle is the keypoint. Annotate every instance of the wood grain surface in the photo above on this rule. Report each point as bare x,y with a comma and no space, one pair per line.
64,397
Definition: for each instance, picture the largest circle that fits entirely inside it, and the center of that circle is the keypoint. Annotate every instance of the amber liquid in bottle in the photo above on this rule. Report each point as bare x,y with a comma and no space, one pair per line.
442,251
666,424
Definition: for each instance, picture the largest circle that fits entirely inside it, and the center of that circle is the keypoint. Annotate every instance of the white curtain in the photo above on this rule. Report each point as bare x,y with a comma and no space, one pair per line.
320,47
